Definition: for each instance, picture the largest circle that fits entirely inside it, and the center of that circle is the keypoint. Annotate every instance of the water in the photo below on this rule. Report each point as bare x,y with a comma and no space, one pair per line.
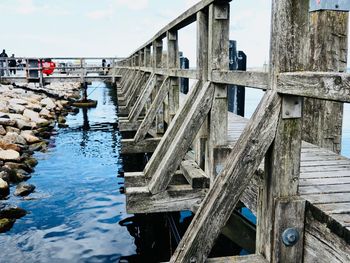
77,206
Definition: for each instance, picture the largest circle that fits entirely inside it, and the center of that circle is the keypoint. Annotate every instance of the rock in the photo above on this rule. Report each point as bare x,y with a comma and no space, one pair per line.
63,125
31,162
18,101
12,129
23,125
16,108
7,122
37,146
24,189
17,177
61,119
9,155
45,113
18,166
34,107
12,137
9,146
29,137
4,189
12,212
32,115
6,224
48,103
5,176
2,130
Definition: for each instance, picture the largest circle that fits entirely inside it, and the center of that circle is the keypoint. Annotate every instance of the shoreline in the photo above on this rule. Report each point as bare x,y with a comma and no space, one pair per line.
28,117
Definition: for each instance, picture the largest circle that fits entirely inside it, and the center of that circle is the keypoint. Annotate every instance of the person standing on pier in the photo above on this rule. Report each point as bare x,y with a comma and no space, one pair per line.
3,66
12,64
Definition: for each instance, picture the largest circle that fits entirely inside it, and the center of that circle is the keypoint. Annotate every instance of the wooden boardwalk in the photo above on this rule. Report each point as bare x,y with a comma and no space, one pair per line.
283,164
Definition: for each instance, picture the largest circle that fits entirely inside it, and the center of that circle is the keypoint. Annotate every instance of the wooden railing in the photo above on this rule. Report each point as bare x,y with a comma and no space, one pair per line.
274,133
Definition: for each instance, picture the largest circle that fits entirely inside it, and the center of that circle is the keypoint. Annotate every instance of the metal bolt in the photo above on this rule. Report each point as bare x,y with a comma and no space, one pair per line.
290,237
193,260
287,113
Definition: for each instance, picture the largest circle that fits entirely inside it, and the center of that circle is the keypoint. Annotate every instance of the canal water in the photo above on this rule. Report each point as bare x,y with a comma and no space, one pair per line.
77,213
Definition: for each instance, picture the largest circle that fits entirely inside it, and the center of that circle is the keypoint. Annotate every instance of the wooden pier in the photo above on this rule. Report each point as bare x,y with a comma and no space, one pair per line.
283,163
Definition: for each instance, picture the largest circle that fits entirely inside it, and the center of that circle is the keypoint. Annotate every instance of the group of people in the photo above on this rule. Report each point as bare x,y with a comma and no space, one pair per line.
8,65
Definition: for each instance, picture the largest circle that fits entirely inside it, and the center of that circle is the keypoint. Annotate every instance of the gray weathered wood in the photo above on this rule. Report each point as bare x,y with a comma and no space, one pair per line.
175,198
152,112
183,140
171,132
327,52
228,187
195,176
319,85
144,146
251,79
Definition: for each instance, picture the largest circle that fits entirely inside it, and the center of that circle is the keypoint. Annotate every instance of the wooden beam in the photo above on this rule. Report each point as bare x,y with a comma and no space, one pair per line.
171,132
152,112
318,85
128,126
175,198
327,52
228,187
251,79
144,146
195,176
183,140
238,259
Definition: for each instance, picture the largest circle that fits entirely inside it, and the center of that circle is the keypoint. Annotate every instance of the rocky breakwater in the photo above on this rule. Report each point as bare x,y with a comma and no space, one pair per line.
28,116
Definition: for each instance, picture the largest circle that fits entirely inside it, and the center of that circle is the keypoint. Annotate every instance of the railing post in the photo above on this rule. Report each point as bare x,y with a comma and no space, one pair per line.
218,59
141,58
280,212
173,63
202,69
157,63
323,119
82,71
147,57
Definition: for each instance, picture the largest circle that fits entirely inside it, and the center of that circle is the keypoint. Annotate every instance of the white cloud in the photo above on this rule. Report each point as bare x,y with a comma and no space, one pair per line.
134,4
101,14
25,7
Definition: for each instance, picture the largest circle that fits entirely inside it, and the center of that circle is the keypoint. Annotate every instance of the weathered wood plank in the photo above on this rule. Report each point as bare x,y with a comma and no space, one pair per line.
251,79
238,259
142,99
183,140
324,189
152,112
171,132
144,146
319,85
175,198
195,176
327,52
229,186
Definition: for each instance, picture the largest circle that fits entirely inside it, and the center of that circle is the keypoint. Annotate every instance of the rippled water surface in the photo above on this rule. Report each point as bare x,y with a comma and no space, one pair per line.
76,208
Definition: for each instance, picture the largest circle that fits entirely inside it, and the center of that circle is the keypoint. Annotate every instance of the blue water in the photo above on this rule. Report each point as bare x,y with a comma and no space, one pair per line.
76,208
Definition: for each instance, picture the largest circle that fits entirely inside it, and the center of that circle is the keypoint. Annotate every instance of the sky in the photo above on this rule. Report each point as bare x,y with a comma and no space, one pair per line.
97,28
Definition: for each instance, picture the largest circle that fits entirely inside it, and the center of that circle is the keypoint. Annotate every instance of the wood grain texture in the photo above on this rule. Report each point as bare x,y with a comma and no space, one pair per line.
183,140
228,187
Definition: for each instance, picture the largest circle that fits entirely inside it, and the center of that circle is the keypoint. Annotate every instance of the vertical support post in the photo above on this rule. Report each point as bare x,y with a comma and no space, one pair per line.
328,52
202,66
278,206
41,76
173,62
113,72
157,63
147,56
218,50
82,71
141,58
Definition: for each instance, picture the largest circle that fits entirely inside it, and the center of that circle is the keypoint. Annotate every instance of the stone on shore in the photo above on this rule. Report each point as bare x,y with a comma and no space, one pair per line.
23,125
29,137
4,189
48,103
14,138
9,146
7,122
24,189
18,101
9,155
12,212
2,130
16,108
6,224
